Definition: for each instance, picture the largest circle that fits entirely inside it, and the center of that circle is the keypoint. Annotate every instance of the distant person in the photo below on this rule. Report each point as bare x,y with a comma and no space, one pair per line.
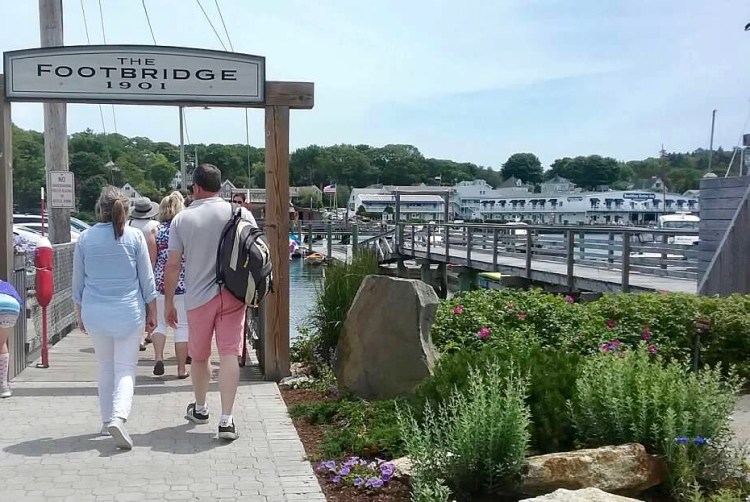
186,197
158,242
194,234
142,217
115,296
10,309
239,198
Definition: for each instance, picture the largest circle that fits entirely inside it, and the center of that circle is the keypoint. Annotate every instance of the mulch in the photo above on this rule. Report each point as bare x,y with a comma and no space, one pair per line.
311,435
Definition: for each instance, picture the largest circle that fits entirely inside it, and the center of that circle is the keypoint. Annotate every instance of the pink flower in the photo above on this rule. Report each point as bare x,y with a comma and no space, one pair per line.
510,306
611,323
484,333
646,335
615,343
604,347
652,348
521,315
570,299
458,310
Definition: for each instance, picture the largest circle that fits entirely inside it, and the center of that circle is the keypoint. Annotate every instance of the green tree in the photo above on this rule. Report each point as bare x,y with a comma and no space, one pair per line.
161,171
86,165
586,171
524,166
88,192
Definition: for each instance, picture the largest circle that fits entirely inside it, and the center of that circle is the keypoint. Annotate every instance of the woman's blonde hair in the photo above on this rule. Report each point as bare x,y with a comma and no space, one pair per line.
113,207
170,206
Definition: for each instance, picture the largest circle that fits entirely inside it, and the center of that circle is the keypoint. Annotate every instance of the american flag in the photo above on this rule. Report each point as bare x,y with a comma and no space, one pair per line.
330,188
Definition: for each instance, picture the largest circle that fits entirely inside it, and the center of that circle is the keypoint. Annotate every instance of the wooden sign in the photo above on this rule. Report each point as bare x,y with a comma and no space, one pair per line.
134,74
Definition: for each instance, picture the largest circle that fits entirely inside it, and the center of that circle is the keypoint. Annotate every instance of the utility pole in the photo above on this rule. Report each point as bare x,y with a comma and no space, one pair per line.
55,119
711,145
183,166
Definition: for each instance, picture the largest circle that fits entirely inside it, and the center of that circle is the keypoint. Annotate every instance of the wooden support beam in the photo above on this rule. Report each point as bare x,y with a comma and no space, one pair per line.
6,188
276,344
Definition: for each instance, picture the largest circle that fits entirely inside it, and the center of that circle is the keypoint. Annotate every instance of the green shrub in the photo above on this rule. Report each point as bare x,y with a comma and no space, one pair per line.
727,339
551,376
477,439
342,281
355,427
630,397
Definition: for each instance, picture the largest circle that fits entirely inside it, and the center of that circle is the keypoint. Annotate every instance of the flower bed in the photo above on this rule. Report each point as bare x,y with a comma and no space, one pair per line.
524,373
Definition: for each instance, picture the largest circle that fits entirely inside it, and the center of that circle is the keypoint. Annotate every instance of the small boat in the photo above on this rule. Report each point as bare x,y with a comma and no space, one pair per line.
315,259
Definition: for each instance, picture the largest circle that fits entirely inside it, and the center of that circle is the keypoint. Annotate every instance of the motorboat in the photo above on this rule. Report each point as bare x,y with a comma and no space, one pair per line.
315,259
680,221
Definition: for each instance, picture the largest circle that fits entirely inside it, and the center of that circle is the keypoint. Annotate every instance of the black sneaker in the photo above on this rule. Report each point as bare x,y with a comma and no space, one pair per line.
196,416
159,368
228,431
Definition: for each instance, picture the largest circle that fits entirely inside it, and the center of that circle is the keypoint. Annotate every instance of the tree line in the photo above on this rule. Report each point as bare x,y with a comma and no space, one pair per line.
149,166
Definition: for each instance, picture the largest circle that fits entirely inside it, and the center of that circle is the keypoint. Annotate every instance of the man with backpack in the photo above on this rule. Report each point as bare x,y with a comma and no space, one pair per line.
196,234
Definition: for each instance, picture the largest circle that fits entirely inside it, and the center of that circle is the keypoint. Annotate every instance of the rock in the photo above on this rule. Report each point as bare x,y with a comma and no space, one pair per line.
385,349
300,369
625,469
295,382
404,466
584,495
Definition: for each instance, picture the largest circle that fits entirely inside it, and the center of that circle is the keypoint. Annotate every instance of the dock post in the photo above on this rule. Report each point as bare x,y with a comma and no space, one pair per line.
310,238
401,268
425,274
329,240
468,279
625,262
355,238
443,274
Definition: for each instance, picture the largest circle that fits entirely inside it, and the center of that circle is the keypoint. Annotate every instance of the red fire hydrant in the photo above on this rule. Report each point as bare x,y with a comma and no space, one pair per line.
45,289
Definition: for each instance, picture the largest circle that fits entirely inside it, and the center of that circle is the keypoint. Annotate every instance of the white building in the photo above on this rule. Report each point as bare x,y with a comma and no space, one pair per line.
381,200
131,192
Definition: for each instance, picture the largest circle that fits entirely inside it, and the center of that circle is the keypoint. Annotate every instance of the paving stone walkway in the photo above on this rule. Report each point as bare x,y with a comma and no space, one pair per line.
50,449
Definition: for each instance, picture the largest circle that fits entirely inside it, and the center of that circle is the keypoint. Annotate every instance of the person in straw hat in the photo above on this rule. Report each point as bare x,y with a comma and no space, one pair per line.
142,216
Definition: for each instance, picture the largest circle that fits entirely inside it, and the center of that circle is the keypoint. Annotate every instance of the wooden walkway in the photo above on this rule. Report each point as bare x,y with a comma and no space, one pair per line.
586,277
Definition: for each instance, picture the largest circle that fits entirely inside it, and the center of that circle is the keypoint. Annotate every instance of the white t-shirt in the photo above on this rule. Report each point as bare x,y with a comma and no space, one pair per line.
145,226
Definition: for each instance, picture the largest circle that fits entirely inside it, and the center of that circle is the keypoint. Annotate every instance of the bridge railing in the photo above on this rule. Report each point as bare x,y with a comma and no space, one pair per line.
646,251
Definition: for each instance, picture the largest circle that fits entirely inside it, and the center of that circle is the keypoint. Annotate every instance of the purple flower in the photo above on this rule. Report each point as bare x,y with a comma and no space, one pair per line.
615,343
646,335
387,469
458,310
652,348
484,333
386,477
682,440
522,315
358,482
699,440
604,347
611,323
374,483
345,471
336,479
570,299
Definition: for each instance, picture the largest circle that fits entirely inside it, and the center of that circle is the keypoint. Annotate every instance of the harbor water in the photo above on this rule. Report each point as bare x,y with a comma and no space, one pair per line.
304,281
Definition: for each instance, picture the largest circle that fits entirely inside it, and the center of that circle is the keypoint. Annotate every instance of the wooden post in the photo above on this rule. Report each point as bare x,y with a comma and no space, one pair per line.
429,238
494,249
447,244
355,238
570,256
276,343
309,236
329,240
664,243
55,119
611,248
625,262
529,252
6,188
426,273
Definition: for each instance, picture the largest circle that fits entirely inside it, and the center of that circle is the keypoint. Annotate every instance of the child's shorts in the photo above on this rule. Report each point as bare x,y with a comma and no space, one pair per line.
9,311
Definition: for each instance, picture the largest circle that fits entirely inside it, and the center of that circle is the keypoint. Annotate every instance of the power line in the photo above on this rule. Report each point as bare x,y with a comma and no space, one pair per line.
205,14
226,32
148,20
104,38
88,41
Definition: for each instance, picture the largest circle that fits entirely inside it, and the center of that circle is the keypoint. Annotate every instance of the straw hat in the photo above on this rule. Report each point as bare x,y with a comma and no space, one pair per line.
144,209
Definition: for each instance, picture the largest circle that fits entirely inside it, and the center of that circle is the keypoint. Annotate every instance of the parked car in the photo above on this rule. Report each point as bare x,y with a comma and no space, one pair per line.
37,227
76,225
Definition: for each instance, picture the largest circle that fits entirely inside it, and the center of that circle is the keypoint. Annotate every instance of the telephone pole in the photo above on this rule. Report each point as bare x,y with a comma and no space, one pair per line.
55,119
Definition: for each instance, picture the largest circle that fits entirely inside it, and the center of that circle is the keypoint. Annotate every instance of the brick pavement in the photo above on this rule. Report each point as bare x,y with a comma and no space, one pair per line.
50,449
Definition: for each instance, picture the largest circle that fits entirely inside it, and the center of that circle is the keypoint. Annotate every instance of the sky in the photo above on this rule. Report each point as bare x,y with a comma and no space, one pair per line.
471,81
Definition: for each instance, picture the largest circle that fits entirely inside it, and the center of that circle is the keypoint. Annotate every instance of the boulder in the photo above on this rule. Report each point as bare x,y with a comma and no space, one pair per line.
404,467
624,469
385,349
584,495
295,382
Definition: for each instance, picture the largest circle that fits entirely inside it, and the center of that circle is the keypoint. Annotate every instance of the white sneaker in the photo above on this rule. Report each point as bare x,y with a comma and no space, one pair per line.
120,434
5,390
105,430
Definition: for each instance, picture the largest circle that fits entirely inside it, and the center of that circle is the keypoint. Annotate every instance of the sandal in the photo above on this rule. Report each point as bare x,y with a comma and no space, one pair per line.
183,377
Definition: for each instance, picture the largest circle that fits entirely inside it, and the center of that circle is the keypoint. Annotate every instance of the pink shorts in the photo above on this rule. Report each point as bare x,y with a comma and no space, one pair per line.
224,315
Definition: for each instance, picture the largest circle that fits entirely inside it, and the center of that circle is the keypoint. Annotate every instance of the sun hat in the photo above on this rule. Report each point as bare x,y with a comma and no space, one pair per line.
144,209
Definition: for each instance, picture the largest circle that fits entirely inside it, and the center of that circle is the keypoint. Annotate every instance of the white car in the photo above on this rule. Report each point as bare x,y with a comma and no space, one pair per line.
37,228
27,234
76,225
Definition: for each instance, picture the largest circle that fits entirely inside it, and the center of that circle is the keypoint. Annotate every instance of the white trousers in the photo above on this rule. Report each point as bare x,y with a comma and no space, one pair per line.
118,360
181,332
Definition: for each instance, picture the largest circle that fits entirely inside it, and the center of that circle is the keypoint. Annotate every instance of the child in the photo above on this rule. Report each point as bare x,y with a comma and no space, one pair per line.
10,308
